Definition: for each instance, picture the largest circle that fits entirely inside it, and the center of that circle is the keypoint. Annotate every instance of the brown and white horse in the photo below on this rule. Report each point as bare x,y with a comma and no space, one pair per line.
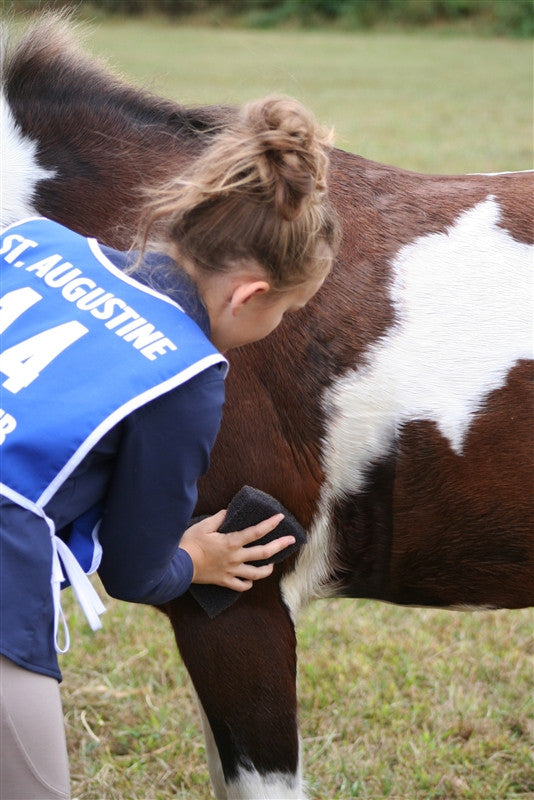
393,416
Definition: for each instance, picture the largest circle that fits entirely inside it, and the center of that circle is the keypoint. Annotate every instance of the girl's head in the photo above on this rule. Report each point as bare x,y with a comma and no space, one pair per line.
252,210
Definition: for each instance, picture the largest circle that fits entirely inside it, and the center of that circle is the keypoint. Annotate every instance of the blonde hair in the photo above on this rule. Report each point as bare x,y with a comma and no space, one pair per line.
257,192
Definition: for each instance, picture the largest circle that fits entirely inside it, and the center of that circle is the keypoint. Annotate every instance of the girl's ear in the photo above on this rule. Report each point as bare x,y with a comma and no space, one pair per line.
245,291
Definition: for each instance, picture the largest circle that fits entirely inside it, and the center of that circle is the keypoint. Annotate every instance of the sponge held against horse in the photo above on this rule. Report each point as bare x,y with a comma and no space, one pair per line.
248,507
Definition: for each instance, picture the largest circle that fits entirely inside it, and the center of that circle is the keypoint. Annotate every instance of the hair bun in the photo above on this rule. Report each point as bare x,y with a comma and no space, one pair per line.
291,152
256,195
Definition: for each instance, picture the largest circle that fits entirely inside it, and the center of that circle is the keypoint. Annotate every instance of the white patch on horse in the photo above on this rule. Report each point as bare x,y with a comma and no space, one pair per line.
309,580
463,301
19,170
509,172
252,785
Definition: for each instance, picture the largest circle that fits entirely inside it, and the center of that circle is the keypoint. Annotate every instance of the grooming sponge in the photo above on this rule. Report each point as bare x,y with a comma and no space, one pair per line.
248,507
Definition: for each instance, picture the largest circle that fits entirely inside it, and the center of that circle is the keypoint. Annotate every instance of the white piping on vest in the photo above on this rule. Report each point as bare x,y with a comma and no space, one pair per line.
137,401
119,414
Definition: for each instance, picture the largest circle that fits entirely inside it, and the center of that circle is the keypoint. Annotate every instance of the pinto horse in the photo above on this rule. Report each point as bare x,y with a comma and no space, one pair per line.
393,416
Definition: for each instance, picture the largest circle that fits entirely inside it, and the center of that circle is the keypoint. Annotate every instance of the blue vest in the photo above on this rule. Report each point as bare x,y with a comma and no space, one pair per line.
82,346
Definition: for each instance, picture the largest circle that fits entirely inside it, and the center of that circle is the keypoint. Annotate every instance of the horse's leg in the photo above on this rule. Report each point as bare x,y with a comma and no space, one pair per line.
243,666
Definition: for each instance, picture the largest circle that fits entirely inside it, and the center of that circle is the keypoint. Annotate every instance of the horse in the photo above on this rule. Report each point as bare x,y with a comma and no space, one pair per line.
392,416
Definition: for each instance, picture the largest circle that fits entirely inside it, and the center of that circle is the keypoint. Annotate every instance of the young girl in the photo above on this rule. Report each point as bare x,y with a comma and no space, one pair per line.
112,391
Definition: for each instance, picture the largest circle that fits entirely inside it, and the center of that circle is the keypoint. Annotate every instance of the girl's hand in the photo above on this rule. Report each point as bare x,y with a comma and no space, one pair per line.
219,558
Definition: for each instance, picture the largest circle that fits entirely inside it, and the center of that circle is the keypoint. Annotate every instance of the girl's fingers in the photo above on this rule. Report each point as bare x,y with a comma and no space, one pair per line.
251,573
210,524
256,532
216,520
221,559
264,551
239,585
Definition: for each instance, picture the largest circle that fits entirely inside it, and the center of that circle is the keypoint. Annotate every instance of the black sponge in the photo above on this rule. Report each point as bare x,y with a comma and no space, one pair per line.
248,507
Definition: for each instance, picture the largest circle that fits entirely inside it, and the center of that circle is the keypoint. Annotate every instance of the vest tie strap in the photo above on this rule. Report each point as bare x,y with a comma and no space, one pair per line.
64,562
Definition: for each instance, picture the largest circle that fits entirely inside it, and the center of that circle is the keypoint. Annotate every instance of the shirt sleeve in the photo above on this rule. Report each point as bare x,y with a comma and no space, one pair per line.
164,449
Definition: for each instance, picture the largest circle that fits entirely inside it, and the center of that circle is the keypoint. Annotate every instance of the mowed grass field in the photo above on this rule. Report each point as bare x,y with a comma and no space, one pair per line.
394,703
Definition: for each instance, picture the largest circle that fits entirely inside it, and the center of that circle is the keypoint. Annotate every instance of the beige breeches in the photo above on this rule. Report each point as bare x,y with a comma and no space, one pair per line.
33,752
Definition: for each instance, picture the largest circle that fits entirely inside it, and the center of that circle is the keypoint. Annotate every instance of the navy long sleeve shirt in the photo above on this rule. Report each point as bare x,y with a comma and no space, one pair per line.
144,472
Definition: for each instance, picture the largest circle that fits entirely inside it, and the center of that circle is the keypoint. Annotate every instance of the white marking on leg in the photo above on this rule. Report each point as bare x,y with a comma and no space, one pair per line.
212,755
252,785
19,170
463,301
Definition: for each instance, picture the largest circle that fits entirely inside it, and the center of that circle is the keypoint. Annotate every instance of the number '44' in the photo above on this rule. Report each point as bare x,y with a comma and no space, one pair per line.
23,362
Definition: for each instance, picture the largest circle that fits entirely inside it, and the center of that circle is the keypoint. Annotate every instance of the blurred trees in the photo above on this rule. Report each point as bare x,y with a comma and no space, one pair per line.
514,17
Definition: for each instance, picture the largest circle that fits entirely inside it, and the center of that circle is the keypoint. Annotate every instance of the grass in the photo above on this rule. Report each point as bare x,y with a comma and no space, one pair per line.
394,703
409,704
428,103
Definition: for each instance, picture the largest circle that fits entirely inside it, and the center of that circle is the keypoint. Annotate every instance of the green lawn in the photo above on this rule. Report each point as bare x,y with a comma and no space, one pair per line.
395,703
434,104
409,704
